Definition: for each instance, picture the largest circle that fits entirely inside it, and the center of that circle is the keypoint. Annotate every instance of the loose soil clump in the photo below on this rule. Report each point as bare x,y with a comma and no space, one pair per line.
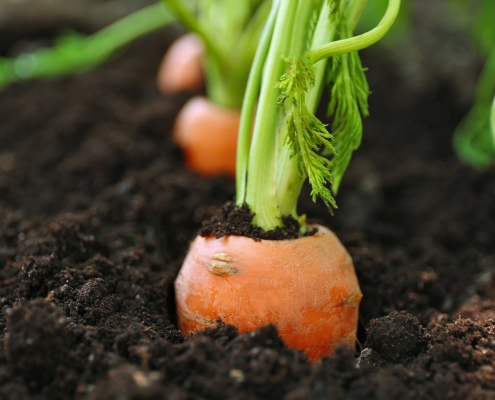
97,212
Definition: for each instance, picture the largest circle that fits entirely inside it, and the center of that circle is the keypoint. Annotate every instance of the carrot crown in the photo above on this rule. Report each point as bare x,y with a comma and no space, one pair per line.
305,46
230,30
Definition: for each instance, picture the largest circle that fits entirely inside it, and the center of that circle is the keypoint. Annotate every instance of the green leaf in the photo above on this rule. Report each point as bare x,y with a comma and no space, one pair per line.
306,134
492,121
349,92
474,140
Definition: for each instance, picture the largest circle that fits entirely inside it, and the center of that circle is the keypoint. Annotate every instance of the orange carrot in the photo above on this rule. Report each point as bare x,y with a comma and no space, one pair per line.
181,69
207,133
307,287
221,51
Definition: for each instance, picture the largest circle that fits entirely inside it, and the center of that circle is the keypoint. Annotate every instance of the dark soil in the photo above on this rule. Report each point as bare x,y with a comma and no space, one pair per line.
96,213
236,220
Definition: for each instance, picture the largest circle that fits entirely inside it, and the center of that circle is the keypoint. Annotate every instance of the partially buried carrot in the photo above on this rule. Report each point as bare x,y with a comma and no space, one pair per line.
207,134
222,48
181,69
307,287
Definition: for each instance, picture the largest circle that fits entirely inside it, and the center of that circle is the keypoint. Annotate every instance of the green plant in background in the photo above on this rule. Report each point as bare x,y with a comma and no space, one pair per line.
78,53
474,140
478,17
492,119
229,29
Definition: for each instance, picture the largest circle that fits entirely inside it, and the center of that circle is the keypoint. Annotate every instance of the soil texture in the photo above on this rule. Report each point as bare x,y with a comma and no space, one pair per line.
97,211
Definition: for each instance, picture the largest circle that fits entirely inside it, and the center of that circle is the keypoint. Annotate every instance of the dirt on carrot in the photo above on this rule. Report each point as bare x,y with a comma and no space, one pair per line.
232,220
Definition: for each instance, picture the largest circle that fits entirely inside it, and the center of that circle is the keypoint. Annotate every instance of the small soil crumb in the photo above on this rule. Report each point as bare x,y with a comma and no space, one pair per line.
397,337
232,220
130,382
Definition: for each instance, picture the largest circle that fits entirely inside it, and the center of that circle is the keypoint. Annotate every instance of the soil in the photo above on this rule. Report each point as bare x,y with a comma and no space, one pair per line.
96,213
236,220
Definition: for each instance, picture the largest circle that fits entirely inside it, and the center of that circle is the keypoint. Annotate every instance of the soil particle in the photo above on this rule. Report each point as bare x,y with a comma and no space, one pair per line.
398,337
130,382
91,291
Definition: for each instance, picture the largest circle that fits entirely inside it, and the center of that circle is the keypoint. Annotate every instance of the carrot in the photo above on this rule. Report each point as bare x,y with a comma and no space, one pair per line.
306,286
207,134
181,69
222,48
289,283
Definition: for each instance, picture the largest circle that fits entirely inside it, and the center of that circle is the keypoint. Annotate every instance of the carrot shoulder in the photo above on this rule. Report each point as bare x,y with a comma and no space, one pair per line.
181,69
207,134
307,287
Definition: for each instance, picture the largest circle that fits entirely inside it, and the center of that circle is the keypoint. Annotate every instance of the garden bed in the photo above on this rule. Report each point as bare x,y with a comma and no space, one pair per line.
96,213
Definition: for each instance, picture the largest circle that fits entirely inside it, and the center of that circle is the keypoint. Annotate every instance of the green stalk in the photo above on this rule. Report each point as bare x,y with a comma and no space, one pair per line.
249,105
77,53
221,86
361,41
261,183
485,88
130,28
355,11
492,121
273,167
244,50
474,138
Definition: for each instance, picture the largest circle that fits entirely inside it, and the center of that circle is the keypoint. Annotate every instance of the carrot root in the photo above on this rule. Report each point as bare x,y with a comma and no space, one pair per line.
181,69
307,287
207,134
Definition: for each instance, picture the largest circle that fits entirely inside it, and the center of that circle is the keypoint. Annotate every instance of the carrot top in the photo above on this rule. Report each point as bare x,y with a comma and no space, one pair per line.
291,67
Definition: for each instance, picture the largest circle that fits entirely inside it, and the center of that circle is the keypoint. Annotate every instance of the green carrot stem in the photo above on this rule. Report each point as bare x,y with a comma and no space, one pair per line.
287,137
361,41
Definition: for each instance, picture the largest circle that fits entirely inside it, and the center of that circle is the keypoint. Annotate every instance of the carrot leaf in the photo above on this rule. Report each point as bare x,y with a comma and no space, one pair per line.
474,137
289,144
306,134
349,92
